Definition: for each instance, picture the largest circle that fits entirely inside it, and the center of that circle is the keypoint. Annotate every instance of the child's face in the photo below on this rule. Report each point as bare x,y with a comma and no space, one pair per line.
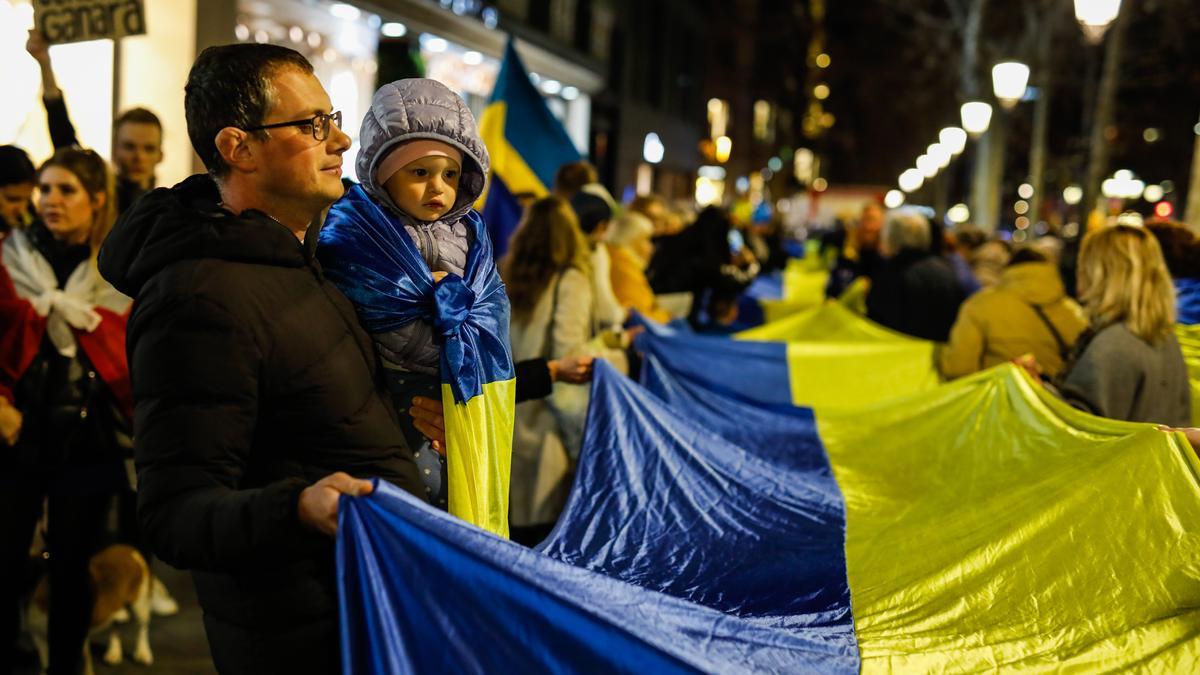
425,188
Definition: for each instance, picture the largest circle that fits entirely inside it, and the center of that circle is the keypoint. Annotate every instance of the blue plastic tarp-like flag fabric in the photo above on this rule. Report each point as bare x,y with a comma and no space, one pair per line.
1187,296
366,251
679,551
750,371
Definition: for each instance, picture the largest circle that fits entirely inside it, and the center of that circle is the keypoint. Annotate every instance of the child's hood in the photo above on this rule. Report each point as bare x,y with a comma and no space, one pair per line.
406,110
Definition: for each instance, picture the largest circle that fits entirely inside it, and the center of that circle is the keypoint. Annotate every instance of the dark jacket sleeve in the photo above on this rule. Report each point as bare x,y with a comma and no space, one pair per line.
195,373
62,132
885,301
533,379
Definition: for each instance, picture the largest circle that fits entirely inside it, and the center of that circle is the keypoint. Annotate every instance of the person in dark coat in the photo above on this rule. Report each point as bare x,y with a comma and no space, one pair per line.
256,398
916,292
858,253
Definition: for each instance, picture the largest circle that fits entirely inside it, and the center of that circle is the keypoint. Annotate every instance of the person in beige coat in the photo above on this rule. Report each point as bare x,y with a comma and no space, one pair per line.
1026,312
548,276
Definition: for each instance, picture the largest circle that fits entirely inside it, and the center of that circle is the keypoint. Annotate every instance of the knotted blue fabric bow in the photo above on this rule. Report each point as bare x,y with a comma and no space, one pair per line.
365,250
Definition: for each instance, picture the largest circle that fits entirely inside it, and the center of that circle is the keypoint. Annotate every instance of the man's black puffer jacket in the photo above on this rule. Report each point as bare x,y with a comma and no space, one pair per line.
252,380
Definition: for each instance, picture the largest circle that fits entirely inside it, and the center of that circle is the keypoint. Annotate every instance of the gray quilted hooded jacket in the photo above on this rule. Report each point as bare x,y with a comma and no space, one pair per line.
408,110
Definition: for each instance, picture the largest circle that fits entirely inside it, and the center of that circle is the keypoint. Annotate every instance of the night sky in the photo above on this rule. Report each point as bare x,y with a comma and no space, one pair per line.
895,83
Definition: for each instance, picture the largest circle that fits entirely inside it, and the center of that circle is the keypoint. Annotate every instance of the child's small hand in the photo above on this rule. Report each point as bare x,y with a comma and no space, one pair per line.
438,276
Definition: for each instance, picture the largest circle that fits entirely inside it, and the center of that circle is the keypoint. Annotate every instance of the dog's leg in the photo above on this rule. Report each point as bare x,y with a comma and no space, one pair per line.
141,613
113,655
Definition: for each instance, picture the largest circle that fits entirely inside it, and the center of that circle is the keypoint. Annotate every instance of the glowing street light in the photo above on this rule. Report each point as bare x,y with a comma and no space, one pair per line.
959,213
954,139
1123,185
940,154
911,180
894,199
1072,194
722,147
928,166
1009,80
652,148
976,117
1095,16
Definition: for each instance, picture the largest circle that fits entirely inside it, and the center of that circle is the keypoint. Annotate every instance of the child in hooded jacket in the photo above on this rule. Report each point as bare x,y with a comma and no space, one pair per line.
423,163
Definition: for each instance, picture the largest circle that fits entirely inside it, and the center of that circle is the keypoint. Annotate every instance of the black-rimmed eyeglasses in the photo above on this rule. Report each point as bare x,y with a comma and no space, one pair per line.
320,124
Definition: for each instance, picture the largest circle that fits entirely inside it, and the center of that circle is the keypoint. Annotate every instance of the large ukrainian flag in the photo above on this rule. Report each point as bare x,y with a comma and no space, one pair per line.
982,526
715,526
526,143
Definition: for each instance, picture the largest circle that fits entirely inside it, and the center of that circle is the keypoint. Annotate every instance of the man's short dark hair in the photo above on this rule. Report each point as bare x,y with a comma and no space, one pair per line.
230,86
15,167
137,116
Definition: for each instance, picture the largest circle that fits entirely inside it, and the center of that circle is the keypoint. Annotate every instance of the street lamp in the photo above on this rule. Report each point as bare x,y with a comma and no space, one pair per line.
724,147
959,214
954,139
941,154
976,117
652,148
911,180
928,166
1009,80
1095,16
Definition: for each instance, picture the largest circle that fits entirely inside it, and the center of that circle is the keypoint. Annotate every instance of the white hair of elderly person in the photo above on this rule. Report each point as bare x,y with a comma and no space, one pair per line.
906,228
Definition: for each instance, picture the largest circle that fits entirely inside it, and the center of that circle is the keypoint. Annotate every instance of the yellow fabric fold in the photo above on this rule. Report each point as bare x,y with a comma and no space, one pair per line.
990,526
506,162
479,454
803,287
837,359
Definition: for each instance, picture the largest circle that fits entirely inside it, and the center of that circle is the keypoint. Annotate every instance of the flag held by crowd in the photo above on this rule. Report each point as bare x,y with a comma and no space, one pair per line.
926,533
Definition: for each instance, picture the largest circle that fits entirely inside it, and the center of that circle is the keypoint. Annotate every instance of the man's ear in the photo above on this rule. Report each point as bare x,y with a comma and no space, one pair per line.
235,148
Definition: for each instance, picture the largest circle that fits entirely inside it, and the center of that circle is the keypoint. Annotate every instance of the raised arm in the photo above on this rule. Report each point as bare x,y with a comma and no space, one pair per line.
62,131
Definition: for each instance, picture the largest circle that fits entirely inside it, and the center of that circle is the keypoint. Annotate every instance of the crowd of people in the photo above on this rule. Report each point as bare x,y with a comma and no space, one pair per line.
223,362
1112,351
155,369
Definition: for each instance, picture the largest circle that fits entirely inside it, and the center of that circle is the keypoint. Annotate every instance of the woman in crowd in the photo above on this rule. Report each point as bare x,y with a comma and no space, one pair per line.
595,215
1027,312
630,248
548,276
16,186
1128,364
66,385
